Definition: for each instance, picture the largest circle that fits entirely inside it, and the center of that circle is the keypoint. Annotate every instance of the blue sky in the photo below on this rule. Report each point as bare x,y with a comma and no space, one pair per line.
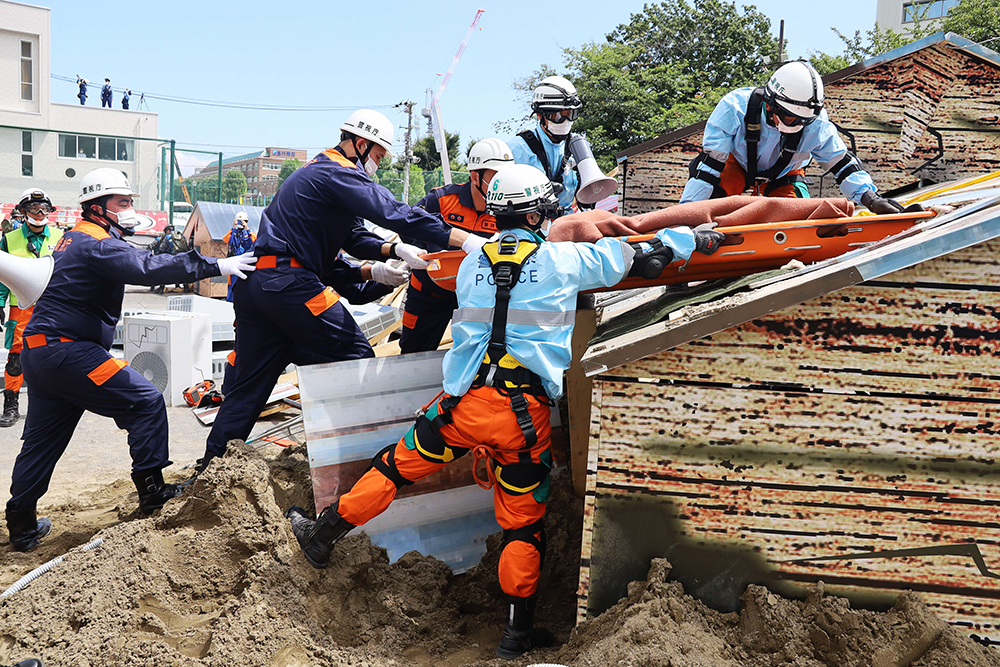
312,53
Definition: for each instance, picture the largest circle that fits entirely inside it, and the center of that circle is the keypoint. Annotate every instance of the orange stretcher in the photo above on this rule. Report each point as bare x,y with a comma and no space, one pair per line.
747,249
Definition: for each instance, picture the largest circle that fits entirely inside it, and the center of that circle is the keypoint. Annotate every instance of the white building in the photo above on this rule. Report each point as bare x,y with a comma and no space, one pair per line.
51,145
898,15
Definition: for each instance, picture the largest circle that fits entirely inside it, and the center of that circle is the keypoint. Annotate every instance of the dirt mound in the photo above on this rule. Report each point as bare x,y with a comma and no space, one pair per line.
217,578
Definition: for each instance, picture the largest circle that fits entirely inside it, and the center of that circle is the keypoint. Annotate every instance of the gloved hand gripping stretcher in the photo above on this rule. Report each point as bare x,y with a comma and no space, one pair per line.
808,230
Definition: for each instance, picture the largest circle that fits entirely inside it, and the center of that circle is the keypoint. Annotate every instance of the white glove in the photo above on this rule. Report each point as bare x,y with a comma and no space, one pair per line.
706,227
411,255
390,275
238,265
473,243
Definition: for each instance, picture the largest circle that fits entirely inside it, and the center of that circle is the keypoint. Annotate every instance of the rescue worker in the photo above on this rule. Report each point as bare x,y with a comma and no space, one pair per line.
169,242
428,308
106,94
556,104
513,329
763,138
286,311
240,240
15,220
82,83
66,362
35,238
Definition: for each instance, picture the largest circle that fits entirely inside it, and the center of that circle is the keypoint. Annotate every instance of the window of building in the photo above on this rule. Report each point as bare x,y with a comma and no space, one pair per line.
27,159
27,80
104,148
926,10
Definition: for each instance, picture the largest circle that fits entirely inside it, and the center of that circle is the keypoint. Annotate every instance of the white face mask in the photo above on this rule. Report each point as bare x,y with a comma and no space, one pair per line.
787,129
371,166
127,219
543,231
560,129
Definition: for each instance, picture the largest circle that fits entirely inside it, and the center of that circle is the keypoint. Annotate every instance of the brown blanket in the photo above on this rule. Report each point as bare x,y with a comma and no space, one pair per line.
589,226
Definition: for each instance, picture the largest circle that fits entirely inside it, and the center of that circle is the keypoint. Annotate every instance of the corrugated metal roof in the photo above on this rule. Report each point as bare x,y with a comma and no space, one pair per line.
956,41
219,217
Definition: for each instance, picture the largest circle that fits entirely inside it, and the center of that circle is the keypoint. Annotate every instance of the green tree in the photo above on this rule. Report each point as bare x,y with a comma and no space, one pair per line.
663,70
234,186
864,45
287,168
978,20
430,158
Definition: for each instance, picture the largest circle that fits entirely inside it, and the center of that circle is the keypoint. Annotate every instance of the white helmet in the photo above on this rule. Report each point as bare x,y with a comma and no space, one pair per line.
241,217
519,189
105,181
372,125
555,93
795,90
34,196
490,154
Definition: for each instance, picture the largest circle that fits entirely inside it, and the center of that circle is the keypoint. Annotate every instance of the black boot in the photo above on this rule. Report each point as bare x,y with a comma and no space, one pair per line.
25,529
30,662
153,491
517,636
318,537
10,413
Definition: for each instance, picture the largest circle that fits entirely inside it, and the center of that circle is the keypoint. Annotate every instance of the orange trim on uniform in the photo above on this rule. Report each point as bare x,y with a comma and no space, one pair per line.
231,358
335,156
271,262
409,320
91,229
322,302
415,282
106,371
38,340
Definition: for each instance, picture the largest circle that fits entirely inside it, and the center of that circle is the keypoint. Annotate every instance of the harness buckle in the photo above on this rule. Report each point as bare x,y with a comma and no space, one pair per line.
519,406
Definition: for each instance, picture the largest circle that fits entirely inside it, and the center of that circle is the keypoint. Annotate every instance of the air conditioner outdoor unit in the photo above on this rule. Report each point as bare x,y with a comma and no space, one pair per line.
171,350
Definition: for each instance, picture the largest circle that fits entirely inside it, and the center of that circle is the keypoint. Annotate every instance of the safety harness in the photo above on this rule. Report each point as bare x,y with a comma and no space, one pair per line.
769,179
507,257
535,144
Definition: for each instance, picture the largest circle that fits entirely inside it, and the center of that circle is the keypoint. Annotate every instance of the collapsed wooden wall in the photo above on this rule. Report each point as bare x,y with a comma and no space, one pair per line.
895,111
860,422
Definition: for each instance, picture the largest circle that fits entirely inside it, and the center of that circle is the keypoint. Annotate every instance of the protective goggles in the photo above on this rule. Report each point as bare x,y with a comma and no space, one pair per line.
38,208
550,209
559,115
790,119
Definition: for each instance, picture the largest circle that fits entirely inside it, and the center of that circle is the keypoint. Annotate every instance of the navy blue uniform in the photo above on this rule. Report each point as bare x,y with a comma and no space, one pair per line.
66,361
285,309
428,307
106,96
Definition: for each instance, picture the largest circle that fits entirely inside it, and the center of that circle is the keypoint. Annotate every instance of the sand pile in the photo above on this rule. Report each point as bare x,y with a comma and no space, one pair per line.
217,579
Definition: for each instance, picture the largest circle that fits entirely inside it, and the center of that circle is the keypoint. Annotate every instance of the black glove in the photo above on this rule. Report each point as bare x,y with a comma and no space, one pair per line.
3,316
708,241
649,263
880,205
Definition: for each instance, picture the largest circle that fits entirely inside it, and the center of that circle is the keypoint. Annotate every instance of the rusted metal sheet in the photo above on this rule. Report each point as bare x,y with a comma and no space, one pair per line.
859,428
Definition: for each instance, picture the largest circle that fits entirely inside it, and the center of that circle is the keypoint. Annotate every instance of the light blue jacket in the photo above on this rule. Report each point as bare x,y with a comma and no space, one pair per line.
542,306
725,132
554,152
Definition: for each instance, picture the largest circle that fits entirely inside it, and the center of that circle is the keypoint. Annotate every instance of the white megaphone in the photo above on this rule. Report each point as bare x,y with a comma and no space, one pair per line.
594,185
25,276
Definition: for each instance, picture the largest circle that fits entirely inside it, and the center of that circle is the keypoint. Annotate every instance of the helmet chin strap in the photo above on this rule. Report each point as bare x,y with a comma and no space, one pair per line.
103,216
363,158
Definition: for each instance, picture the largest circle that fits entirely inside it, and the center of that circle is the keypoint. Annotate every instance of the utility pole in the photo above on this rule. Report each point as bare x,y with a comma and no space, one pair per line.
408,152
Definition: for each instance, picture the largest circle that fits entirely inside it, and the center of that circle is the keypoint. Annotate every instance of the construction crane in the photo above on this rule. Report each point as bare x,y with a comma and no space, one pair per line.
433,111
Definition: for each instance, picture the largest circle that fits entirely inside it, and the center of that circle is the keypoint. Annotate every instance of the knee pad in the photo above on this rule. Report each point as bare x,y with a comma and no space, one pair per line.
533,534
518,479
427,441
388,467
13,364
